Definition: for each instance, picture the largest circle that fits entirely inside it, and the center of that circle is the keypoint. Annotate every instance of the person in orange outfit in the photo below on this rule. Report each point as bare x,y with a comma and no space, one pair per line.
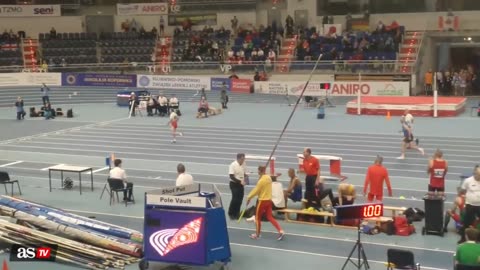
376,175
311,166
428,81
263,190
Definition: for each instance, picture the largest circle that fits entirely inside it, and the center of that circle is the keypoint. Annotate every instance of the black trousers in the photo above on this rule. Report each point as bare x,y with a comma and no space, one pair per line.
45,100
238,192
310,188
471,214
130,191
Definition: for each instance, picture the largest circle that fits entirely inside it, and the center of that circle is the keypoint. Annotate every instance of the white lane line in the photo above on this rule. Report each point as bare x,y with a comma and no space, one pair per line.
99,170
159,177
10,164
46,169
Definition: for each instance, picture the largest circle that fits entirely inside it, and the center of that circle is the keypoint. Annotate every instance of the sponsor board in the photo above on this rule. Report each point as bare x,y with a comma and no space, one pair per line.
218,83
142,9
337,88
173,82
241,85
100,80
30,11
30,79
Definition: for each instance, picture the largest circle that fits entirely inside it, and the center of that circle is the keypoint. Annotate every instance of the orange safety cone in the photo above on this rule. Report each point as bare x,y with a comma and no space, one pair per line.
5,265
388,115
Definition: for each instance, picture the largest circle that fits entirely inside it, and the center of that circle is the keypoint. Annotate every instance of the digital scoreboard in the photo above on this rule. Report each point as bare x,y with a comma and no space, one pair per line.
359,211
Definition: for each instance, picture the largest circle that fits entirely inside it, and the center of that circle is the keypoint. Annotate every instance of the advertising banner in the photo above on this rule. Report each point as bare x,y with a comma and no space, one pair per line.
173,82
175,236
30,79
208,19
241,85
218,83
100,80
30,11
337,88
142,9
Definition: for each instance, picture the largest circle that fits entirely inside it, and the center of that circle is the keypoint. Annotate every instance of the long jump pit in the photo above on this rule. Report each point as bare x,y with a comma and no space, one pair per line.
418,106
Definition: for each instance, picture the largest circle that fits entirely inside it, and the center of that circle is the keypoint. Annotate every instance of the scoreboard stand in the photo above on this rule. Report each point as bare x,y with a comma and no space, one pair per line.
185,226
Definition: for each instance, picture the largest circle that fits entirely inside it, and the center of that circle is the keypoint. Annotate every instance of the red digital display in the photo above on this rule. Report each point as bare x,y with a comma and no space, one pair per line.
325,86
359,211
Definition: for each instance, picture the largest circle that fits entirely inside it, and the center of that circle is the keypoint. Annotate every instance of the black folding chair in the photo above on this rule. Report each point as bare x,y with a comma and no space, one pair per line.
467,267
401,259
116,185
5,179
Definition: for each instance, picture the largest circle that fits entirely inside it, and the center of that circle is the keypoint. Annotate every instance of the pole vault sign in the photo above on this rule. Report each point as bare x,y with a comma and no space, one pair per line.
176,201
177,191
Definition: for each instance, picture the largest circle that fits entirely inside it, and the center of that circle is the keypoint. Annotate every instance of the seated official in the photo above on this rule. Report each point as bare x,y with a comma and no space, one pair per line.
150,106
173,103
162,105
294,191
203,108
468,253
118,173
48,112
183,179
346,195
133,103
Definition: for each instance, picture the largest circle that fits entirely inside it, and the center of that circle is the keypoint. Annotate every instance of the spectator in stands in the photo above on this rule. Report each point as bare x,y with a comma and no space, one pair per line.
294,190
125,26
428,81
468,253
256,77
234,22
162,26
376,176
53,33
118,173
20,111
183,178
63,63
45,90
271,55
154,31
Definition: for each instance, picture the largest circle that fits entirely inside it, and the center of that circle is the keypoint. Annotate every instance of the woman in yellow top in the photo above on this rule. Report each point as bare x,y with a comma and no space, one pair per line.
263,190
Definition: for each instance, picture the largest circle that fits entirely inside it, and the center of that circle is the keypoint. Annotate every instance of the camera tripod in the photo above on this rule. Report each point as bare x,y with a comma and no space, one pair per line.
362,260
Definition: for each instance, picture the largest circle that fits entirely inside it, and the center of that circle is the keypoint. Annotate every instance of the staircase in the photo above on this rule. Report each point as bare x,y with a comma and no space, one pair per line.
409,49
286,55
29,49
163,56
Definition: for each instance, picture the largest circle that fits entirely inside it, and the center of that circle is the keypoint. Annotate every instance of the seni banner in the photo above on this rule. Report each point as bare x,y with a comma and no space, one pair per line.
337,88
173,82
99,80
30,79
142,9
30,11
217,84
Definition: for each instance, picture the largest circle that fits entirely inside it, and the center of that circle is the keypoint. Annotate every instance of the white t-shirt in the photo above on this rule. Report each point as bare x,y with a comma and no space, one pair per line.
173,101
472,187
277,195
409,119
173,115
163,101
184,179
118,173
237,170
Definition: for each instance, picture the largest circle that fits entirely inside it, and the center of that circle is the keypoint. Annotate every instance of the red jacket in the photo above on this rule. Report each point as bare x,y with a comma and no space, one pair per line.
376,175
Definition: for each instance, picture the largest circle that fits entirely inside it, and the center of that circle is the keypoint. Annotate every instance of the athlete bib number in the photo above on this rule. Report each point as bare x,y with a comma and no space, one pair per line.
438,173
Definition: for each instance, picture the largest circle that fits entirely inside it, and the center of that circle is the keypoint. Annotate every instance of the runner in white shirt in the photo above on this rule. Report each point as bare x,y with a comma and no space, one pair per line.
183,179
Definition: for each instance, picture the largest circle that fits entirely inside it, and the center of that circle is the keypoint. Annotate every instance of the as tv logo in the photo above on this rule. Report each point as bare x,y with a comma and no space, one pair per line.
33,253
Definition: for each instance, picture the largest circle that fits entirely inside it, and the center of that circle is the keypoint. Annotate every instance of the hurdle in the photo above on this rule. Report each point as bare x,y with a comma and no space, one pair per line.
263,158
335,165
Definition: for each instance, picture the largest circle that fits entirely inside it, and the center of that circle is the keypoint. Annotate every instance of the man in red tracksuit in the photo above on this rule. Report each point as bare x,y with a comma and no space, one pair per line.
376,175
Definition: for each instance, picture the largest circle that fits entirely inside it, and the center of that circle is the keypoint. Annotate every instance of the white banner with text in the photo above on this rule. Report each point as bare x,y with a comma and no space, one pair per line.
30,11
173,82
339,88
142,9
30,79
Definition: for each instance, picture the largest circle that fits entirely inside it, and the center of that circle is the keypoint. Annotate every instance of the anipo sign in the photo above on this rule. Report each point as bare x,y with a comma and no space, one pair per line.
350,89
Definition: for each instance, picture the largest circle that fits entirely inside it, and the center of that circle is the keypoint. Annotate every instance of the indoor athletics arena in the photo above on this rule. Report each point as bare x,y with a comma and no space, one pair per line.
253,134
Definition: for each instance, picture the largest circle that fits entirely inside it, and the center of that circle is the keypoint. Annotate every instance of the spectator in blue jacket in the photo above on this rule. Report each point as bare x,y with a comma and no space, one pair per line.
20,111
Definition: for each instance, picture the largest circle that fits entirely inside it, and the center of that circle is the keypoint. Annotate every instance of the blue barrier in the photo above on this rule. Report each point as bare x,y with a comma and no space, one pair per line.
102,80
216,84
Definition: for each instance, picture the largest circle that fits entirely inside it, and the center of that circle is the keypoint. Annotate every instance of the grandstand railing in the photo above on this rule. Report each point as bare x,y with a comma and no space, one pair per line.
218,68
